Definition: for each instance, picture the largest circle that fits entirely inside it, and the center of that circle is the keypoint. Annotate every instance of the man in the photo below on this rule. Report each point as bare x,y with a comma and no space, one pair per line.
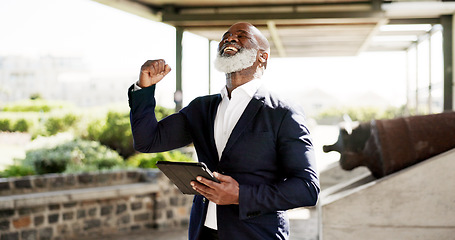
257,145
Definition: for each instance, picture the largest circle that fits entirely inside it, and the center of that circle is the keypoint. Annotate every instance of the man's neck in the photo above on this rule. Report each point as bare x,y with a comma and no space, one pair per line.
236,79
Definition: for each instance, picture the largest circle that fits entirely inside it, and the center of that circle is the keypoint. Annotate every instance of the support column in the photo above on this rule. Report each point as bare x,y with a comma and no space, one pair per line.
417,79
408,84
178,95
430,84
447,41
210,66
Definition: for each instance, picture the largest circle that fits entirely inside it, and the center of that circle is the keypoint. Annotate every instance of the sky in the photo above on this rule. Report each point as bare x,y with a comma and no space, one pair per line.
113,42
83,28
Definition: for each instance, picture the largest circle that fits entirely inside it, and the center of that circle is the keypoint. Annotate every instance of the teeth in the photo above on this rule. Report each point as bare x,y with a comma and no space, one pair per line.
230,49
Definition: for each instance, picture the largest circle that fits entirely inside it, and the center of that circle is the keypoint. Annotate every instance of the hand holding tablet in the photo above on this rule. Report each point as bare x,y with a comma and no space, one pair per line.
182,173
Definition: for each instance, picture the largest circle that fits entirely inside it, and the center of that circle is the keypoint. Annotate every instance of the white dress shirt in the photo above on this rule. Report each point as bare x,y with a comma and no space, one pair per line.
227,116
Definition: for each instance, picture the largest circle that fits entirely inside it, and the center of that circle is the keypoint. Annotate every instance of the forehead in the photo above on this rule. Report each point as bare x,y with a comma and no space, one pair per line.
239,28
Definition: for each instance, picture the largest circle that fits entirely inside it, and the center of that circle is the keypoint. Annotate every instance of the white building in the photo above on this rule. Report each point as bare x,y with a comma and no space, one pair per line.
65,78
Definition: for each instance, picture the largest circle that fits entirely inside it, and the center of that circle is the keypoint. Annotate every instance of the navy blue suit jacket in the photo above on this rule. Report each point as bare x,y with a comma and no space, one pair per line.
269,153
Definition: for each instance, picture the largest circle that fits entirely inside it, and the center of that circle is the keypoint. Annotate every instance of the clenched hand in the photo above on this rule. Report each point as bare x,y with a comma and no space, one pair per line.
152,72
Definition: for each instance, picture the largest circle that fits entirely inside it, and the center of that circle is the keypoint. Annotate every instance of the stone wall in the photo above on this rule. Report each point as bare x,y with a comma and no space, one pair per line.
74,207
54,182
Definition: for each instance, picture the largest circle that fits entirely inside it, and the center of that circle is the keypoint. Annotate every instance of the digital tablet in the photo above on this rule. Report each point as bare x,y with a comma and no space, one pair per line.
182,173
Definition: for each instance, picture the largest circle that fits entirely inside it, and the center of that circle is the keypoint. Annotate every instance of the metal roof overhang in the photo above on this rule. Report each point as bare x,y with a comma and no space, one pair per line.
299,28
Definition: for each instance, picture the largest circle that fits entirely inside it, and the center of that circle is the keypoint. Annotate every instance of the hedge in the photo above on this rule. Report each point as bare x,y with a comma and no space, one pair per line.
37,105
73,156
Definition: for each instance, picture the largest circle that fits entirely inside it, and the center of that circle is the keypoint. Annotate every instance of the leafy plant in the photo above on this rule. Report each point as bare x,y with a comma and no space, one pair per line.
361,114
162,112
117,133
5,125
21,126
17,170
56,124
115,130
47,118
148,160
18,122
37,105
76,155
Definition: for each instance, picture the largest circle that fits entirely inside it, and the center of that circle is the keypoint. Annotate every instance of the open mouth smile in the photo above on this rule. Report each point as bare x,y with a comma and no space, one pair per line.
230,50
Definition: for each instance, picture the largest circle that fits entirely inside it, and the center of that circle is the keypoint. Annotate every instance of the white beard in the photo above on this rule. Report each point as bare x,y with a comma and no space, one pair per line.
239,61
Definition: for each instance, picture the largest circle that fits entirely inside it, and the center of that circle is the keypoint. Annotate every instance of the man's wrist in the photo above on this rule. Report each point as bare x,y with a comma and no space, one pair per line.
136,86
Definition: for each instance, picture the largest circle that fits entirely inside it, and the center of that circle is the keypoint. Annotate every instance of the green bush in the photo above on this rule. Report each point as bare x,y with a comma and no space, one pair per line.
162,112
5,125
47,118
148,160
35,96
38,124
73,156
56,124
115,130
21,125
18,122
17,170
361,114
117,134
37,105
94,129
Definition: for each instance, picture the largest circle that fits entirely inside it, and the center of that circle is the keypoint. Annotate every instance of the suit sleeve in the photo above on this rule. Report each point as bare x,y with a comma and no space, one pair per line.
149,135
300,185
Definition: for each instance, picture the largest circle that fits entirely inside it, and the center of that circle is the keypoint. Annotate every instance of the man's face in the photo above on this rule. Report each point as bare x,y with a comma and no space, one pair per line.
237,50
238,36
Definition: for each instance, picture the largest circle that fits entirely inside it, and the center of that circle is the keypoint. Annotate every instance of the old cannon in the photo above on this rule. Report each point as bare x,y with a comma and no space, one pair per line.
387,146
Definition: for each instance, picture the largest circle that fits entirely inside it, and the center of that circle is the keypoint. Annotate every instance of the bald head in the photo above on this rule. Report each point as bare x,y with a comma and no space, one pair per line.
263,43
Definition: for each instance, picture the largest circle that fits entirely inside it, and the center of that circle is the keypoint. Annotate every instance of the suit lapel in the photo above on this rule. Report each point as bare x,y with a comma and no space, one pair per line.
212,114
250,112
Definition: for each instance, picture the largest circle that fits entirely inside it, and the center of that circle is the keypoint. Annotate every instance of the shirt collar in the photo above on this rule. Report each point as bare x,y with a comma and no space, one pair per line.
250,88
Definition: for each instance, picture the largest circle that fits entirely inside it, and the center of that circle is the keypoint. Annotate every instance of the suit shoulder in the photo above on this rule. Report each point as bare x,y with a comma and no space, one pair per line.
277,102
207,99
202,104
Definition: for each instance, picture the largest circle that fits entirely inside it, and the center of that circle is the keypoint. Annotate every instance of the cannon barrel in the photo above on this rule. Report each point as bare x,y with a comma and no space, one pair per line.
394,144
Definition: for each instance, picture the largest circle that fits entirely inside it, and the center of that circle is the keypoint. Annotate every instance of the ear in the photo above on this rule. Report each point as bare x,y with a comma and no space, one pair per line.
262,58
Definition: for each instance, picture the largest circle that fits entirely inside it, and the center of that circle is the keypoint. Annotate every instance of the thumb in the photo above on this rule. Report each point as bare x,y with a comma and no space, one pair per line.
167,69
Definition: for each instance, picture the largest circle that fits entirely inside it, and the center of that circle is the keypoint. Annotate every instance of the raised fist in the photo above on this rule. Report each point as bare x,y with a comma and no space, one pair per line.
152,72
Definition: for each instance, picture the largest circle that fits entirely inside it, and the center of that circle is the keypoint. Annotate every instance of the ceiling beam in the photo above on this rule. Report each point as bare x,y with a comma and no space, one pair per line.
133,7
182,19
415,21
185,5
276,39
372,33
